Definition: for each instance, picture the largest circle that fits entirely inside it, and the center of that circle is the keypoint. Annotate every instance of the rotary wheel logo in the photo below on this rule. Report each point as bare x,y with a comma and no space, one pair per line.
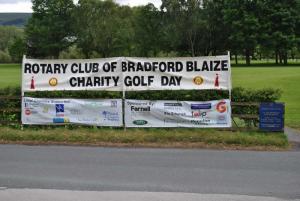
198,80
53,82
221,107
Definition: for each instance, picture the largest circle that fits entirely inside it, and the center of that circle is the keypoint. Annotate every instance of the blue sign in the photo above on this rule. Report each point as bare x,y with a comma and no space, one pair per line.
271,117
206,106
60,108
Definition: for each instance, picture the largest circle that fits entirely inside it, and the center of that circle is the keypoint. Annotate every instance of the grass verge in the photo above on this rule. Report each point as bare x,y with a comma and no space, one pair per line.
164,138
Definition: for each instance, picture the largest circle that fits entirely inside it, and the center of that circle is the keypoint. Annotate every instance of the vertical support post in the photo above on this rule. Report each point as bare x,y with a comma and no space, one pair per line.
230,80
123,98
123,109
230,86
22,91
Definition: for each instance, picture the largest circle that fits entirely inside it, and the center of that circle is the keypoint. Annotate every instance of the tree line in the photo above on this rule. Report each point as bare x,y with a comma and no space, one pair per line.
253,29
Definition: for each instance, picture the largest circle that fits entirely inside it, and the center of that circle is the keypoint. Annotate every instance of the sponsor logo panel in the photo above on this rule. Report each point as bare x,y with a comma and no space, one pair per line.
140,122
206,106
110,116
60,110
221,107
61,120
199,114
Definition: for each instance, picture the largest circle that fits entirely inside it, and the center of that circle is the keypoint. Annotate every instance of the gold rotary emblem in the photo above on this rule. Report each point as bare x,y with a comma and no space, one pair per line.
53,82
198,80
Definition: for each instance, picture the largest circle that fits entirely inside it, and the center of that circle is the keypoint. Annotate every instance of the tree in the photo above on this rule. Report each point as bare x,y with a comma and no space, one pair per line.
218,33
185,25
279,21
17,49
7,35
49,30
241,18
98,27
148,30
126,43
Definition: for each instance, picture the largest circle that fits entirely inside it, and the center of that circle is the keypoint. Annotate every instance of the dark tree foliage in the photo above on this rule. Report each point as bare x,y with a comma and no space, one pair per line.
49,31
179,27
148,30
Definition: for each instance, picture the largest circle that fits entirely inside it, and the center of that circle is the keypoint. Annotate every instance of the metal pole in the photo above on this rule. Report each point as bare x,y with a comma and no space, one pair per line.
230,79
230,86
123,109
123,99
22,91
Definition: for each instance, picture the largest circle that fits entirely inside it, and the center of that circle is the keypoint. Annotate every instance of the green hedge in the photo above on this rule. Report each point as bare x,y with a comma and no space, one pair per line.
238,95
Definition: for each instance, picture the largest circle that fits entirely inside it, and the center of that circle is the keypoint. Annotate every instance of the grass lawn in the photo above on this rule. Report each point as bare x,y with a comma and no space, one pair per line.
154,137
285,78
10,75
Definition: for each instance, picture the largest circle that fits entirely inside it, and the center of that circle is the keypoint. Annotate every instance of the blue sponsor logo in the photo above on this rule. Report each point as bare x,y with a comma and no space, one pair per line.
206,106
61,120
110,116
60,108
114,103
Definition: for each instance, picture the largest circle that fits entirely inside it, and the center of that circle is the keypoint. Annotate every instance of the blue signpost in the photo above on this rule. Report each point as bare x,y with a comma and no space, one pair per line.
271,117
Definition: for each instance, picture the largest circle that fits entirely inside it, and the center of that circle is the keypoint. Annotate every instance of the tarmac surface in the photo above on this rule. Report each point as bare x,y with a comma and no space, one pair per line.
65,170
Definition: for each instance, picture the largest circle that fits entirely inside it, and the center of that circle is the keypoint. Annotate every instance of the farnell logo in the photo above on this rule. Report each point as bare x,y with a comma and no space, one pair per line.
140,122
140,109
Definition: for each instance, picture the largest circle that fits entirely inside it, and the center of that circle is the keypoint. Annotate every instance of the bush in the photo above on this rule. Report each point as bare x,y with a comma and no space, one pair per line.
6,105
238,95
256,96
4,57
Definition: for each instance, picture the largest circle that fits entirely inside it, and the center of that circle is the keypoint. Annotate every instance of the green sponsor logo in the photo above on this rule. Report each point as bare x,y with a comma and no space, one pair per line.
140,122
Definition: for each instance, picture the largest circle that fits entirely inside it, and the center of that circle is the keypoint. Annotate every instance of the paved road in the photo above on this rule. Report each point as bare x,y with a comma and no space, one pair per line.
292,134
275,174
65,195
293,137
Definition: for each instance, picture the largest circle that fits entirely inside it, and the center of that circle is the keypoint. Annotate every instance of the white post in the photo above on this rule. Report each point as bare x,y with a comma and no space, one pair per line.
230,85
22,91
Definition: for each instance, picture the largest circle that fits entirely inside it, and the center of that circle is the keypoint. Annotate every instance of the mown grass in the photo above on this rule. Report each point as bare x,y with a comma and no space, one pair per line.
284,78
10,75
146,137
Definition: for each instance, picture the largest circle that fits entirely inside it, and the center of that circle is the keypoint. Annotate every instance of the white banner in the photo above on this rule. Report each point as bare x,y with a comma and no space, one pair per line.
127,74
40,111
145,113
58,75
